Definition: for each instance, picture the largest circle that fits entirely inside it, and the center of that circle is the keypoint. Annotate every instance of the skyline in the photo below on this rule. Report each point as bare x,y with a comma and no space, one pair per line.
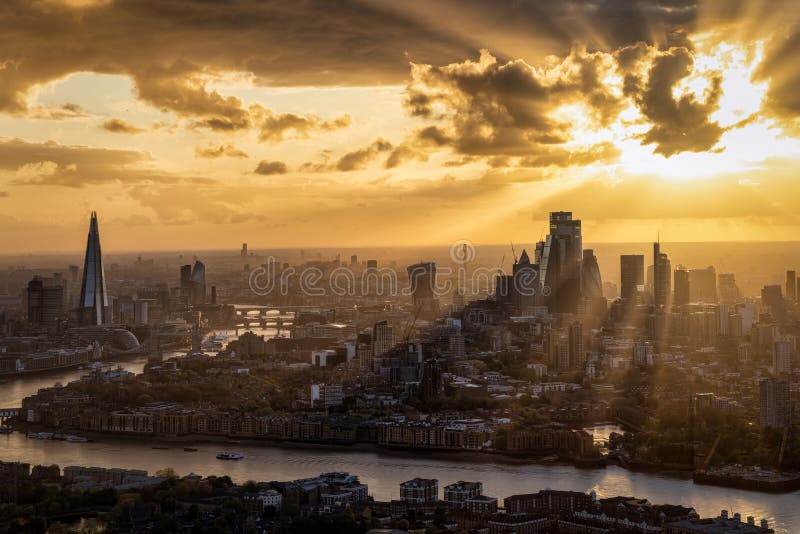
416,126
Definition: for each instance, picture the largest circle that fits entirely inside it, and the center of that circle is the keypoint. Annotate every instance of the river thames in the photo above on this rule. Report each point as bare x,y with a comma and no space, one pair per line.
383,471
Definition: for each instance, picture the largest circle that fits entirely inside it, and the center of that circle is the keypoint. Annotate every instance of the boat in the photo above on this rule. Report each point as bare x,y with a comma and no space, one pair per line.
229,456
161,448
76,439
190,449
40,435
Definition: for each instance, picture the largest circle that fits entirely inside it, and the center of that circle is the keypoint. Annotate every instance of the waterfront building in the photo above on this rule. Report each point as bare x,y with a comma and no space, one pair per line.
419,491
457,494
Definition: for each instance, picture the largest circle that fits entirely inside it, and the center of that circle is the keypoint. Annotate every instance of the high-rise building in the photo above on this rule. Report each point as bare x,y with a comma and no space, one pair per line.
775,403
576,356
772,302
559,259
243,253
728,290
591,280
643,354
662,274
782,354
791,286
422,280
45,301
94,296
703,285
354,261
631,268
682,287
198,279
524,285
382,339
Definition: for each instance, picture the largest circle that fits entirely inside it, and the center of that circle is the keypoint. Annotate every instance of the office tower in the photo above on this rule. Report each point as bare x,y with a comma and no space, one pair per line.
422,280
214,295
562,353
94,297
431,384
243,253
186,278
631,269
372,264
382,338
525,285
503,289
723,319
782,353
643,354
576,356
353,261
791,286
775,403
198,285
682,286
45,301
772,302
703,285
662,273
559,258
728,290
591,281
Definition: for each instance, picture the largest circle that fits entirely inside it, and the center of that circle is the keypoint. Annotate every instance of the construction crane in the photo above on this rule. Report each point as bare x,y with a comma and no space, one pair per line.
513,252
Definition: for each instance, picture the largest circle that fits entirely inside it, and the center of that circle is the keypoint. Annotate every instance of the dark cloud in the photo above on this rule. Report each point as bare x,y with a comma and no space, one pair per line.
359,159
287,43
219,151
678,124
560,157
51,163
275,127
121,126
271,167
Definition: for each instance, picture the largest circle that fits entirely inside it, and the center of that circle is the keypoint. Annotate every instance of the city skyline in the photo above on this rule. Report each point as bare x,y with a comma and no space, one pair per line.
415,125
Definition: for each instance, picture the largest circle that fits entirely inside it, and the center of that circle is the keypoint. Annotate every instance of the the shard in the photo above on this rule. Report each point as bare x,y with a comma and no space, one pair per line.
94,297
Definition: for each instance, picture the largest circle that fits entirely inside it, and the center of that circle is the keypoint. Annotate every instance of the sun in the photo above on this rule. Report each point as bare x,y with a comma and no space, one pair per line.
748,139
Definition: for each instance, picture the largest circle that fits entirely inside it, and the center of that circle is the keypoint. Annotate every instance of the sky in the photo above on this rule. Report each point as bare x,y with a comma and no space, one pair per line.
297,123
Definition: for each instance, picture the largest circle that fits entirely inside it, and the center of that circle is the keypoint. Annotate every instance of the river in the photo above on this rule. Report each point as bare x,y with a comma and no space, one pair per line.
381,470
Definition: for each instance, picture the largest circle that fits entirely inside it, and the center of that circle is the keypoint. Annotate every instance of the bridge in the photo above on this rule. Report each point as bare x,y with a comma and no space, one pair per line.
8,413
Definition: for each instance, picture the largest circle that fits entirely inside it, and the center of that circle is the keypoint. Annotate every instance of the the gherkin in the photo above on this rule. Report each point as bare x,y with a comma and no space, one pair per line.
94,297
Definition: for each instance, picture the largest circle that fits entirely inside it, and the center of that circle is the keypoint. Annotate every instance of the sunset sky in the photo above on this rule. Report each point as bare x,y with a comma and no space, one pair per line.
375,122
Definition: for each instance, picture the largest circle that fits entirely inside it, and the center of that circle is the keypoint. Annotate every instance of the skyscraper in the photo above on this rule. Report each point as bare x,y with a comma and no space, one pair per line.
591,280
682,286
422,279
198,283
631,269
775,403
703,285
45,301
559,259
662,272
728,291
94,296
791,286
